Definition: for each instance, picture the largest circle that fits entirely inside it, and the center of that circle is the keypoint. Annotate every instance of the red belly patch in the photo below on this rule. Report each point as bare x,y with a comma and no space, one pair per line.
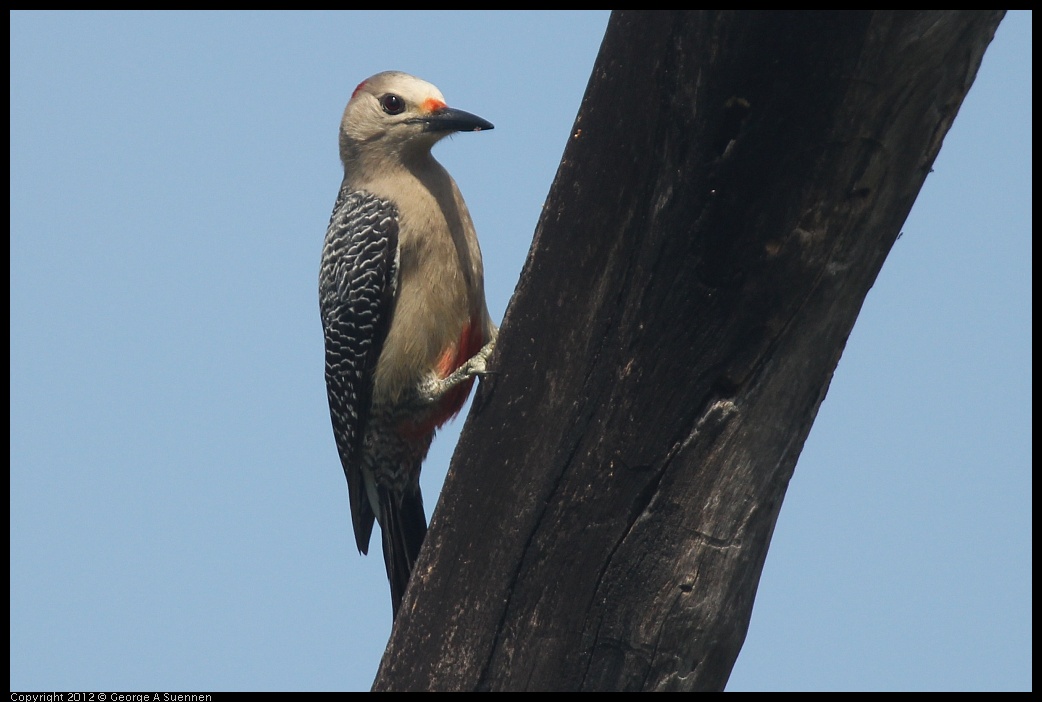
470,342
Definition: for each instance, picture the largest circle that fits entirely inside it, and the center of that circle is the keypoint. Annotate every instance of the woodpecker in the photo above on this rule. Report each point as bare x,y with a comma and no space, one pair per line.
401,295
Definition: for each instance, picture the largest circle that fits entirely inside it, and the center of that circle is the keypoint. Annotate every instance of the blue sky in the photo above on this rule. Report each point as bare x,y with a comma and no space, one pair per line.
179,518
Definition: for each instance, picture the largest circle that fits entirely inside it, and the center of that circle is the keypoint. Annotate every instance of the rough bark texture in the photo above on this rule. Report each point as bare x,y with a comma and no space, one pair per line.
733,184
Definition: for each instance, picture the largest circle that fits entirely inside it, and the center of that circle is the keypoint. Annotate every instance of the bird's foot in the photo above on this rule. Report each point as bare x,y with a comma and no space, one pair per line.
435,388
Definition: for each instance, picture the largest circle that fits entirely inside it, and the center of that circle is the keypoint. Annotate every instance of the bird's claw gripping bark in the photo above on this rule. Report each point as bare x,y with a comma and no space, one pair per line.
435,388
478,364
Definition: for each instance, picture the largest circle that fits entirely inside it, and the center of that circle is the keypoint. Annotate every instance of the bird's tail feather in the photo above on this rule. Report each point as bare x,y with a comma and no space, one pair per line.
403,530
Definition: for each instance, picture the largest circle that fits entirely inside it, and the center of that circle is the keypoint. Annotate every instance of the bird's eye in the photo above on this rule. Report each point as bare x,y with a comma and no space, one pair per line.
392,104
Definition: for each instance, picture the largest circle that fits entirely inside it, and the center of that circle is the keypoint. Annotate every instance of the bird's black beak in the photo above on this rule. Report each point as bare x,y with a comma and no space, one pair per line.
448,119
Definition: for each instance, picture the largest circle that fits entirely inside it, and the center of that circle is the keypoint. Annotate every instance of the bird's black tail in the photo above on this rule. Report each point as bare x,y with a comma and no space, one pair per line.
403,531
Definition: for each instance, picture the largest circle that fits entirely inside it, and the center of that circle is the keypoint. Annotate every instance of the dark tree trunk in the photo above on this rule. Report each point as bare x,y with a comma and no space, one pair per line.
731,188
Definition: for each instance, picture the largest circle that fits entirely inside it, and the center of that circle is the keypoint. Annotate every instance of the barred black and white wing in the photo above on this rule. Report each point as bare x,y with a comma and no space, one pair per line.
357,287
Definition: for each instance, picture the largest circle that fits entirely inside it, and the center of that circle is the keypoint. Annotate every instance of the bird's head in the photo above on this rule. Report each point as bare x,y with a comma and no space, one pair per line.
395,115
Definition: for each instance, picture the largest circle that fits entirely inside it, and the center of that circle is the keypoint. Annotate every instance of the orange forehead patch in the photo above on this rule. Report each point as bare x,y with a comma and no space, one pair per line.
433,105
358,88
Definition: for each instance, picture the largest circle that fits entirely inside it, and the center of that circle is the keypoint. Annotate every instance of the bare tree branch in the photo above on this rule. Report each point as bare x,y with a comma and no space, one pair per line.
733,184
